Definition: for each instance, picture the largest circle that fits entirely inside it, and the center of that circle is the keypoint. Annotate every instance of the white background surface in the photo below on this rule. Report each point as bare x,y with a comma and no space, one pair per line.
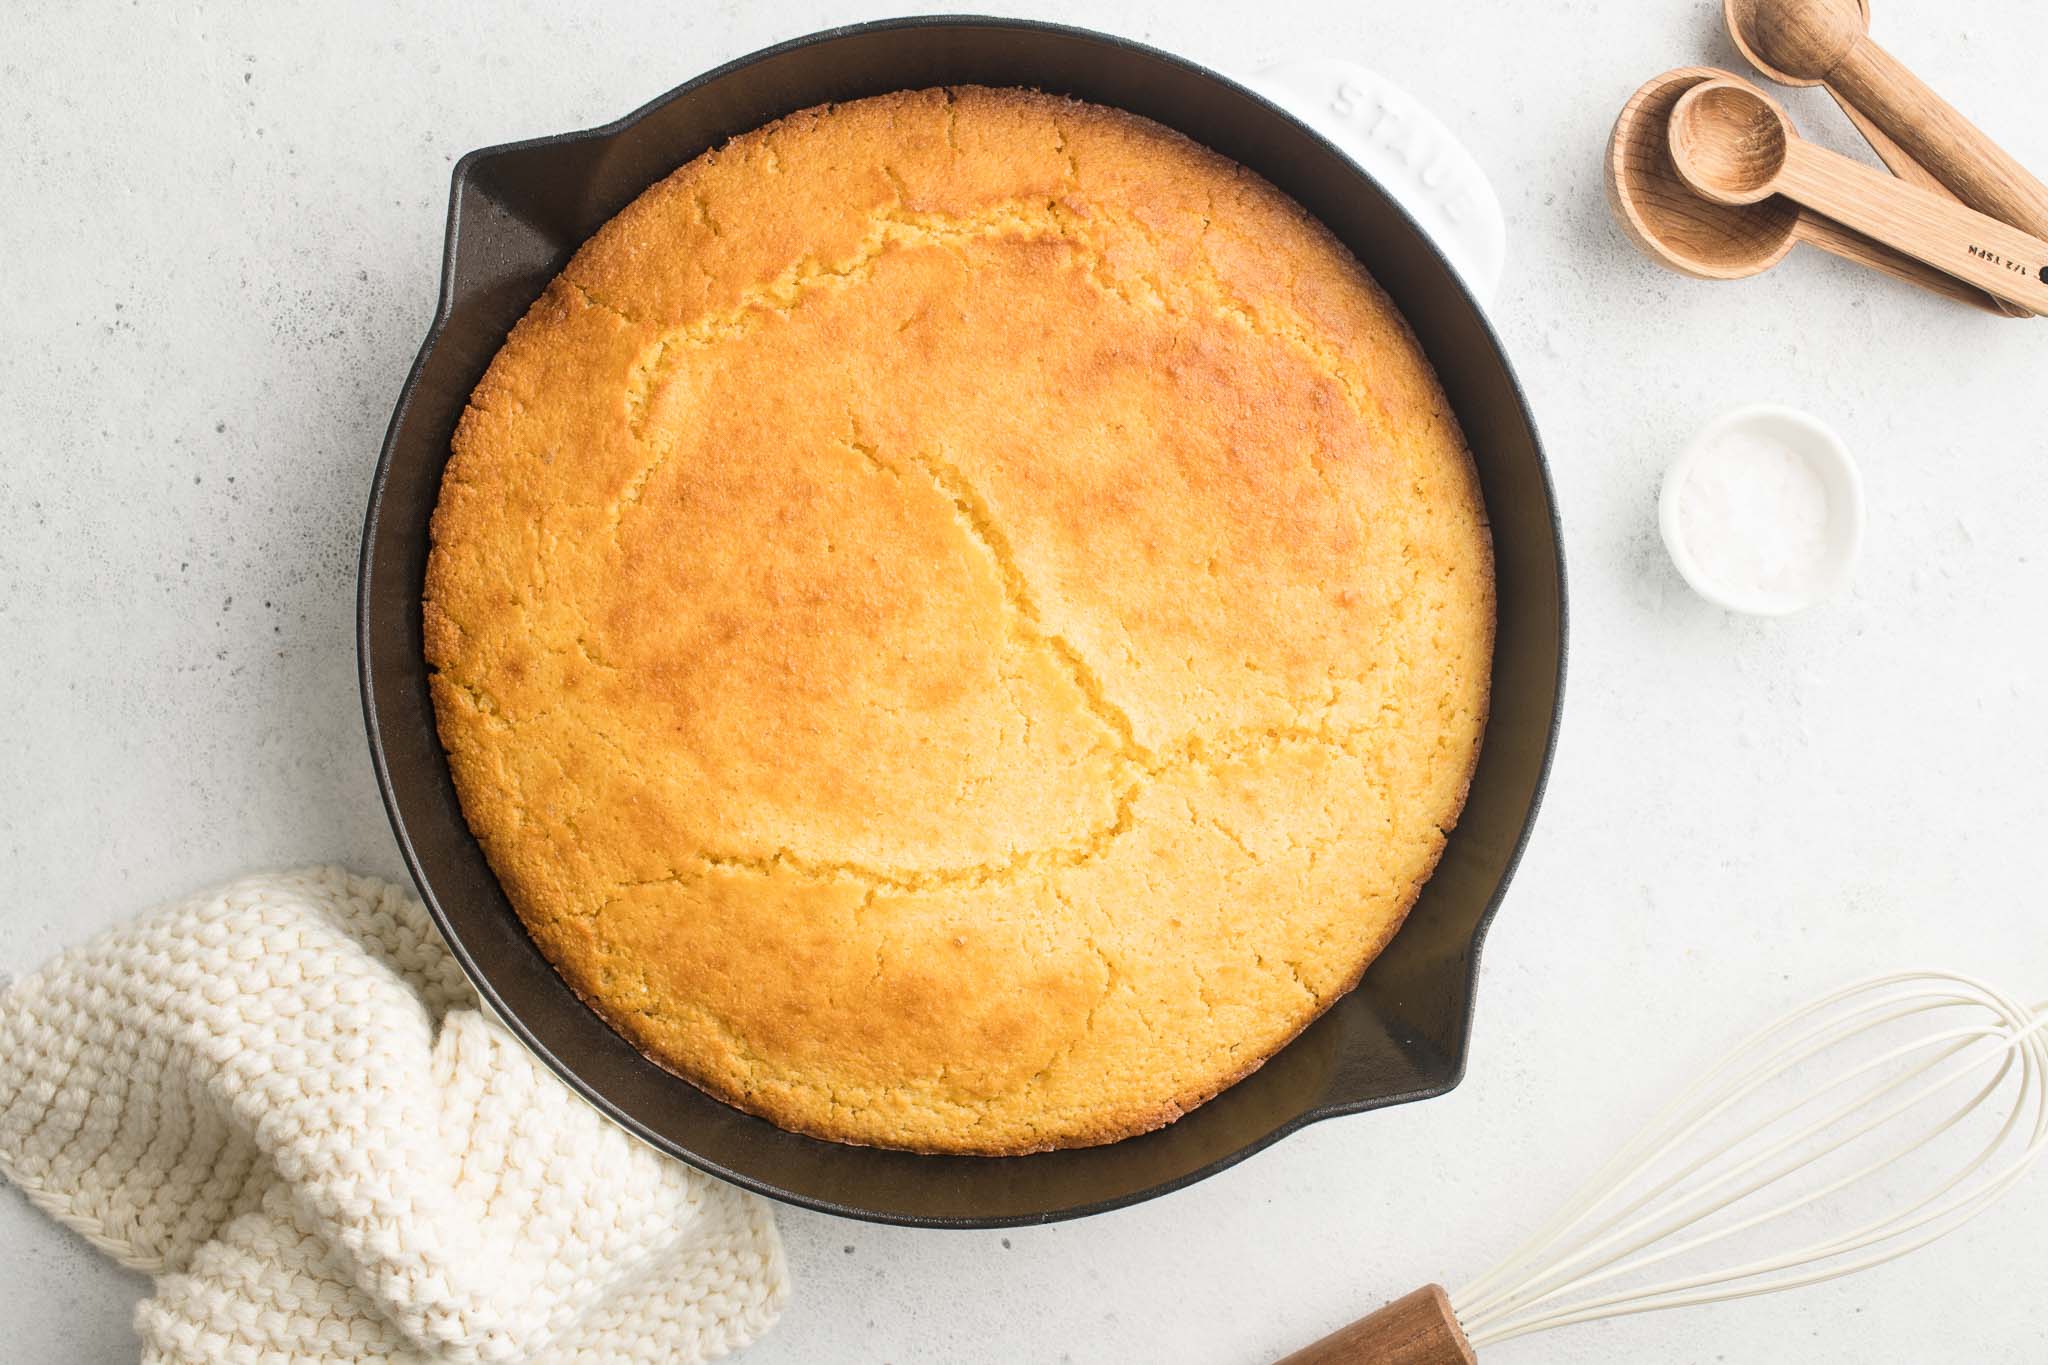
220,236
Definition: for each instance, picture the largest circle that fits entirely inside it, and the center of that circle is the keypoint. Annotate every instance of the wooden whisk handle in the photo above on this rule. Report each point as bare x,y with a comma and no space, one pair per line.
1419,1329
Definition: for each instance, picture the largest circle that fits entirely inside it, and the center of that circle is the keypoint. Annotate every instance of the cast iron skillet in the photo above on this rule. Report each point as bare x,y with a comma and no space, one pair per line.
518,211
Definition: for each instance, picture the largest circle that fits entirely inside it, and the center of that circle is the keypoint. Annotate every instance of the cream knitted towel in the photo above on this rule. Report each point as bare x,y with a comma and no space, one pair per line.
283,1100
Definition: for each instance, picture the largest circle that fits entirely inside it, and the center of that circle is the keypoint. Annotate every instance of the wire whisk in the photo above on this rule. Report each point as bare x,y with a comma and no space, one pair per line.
1921,1095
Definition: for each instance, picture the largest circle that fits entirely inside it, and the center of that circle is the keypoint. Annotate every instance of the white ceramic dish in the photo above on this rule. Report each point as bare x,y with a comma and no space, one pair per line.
1829,459
1413,155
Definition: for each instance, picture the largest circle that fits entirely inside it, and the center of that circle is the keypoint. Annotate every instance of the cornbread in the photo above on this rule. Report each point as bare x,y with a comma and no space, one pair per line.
961,621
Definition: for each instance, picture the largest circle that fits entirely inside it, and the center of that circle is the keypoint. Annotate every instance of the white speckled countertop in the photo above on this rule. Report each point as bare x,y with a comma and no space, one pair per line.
222,232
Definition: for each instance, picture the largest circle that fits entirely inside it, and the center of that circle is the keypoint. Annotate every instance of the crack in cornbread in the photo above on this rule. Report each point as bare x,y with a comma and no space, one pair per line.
961,621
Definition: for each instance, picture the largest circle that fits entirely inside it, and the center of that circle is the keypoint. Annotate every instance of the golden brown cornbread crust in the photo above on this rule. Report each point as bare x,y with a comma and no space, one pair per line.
960,621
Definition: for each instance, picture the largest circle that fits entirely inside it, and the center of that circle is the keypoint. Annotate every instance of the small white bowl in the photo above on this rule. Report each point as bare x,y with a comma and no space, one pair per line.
1828,458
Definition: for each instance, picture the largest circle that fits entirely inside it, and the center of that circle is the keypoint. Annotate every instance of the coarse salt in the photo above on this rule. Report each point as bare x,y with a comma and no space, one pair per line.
1753,513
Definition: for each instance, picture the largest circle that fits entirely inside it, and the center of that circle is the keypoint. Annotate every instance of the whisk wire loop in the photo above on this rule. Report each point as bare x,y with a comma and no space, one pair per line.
1702,1096
1634,1214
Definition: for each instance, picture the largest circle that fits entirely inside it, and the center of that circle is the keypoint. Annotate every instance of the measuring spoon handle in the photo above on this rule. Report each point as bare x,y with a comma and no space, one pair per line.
1906,168
1994,256
1953,149
1837,240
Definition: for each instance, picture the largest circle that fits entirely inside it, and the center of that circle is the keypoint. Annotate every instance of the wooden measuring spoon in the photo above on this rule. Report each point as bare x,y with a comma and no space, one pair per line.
1741,20
1698,237
1735,146
1740,16
1827,42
